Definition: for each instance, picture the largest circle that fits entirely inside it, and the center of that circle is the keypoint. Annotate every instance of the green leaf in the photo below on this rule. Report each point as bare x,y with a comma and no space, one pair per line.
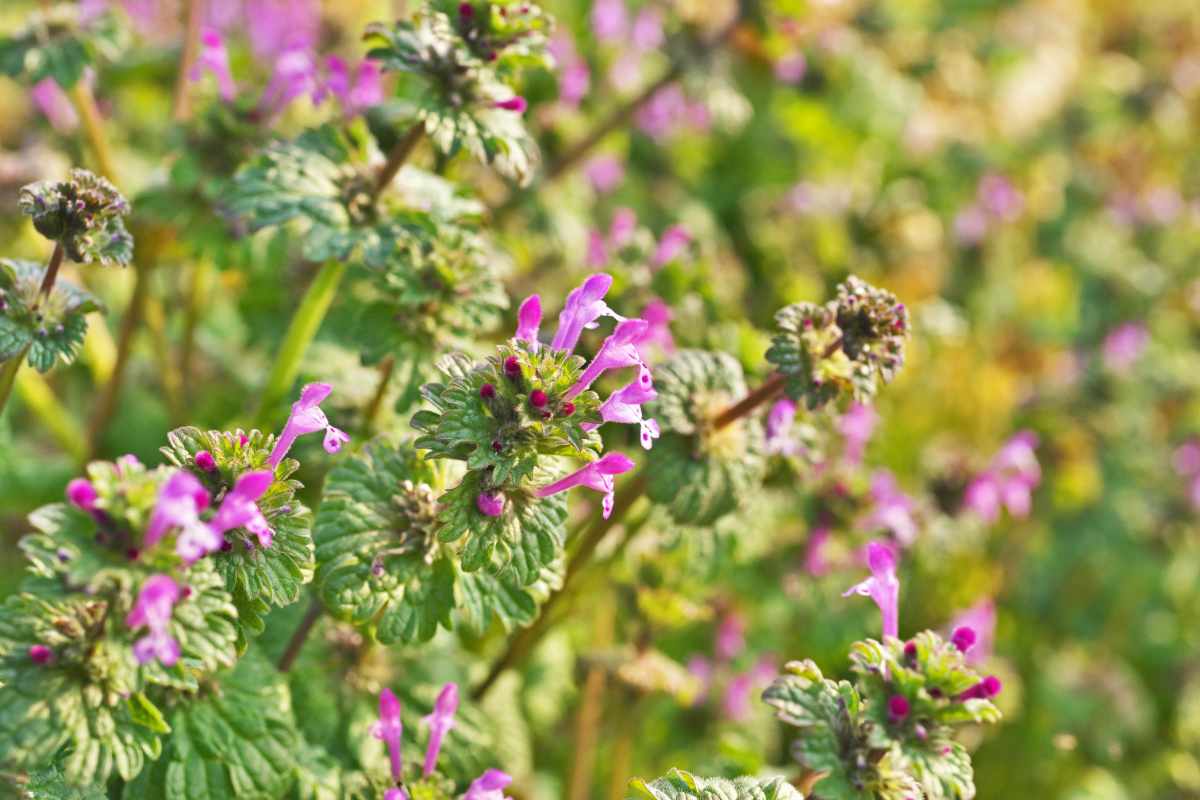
236,738
50,328
54,44
679,785
697,473
51,783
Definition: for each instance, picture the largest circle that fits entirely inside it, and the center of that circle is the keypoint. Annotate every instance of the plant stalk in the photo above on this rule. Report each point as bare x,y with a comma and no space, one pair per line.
386,367
197,289
51,274
39,398
106,405
396,158
191,46
300,334
520,645
8,376
591,707
300,635
93,129
772,388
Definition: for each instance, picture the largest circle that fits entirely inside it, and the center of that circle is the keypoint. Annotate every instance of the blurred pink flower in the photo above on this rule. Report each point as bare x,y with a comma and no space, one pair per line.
53,102
605,173
980,618
1123,345
857,426
791,68
1008,482
892,509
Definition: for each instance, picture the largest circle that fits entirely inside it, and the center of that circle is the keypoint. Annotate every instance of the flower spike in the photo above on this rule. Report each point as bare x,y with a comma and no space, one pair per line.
180,502
619,350
883,587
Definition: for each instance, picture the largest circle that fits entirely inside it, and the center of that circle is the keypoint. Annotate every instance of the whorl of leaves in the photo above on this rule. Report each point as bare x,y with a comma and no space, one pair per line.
54,44
257,577
461,86
844,349
679,785
846,732
382,564
46,329
85,213
698,473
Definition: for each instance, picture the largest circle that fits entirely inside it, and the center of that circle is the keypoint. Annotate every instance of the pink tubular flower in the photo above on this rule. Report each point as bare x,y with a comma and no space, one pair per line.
605,173
736,703
214,59
153,608
791,68
529,319
883,586
440,721
622,228
986,689
619,350
658,316
357,95
307,417
179,504
53,102
1009,480
1000,198
583,307
647,31
389,729
815,561
856,426
239,509
625,406
731,637
597,475
395,793
597,251
672,243
82,495
779,424
892,510
294,76
610,20
488,786
980,619
1123,345
517,104
278,26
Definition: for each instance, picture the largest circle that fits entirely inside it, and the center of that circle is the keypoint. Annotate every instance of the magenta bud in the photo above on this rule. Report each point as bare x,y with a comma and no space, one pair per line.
516,104
81,494
487,391
205,461
132,554
497,445
538,398
243,439
466,10
490,504
41,654
963,638
898,707
512,367
991,686
567,409
910,650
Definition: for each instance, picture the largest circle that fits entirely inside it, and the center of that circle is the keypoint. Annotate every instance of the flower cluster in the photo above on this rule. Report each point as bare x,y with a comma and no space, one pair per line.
84,213
1009,480
390,730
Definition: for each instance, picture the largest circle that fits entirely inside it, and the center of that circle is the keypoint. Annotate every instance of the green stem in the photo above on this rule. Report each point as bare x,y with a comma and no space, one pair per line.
197,289
51,274
300,635
300,334
8,376
386,367
106,406
93,129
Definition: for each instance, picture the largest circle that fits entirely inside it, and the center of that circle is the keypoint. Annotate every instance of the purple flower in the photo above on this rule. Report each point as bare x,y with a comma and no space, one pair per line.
1008,482
702,669
986,689
40,654
625,406
597,475
1000,198
276,27
605,173
610,20
779,424
619,350
597,252
980,619
971,225
892,510
440,721
488,786
153,608
389,729
736,703
574,82
213,58
731,637
307,417
395,793
490,503
883,586
517,104
623,227
791,68
647,31
239,509
673,242
180,501
815,562
856,426
1123,345
53,102
658,316
355,96
82,495
663,113
529,319
294,75
583,307
963,638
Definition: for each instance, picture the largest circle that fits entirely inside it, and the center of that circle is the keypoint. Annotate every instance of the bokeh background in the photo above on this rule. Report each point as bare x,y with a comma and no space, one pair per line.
1025,176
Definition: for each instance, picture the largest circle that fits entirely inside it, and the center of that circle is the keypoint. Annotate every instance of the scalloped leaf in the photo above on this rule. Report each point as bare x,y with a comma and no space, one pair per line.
48,329
234,739
679,785
697,474
54,45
